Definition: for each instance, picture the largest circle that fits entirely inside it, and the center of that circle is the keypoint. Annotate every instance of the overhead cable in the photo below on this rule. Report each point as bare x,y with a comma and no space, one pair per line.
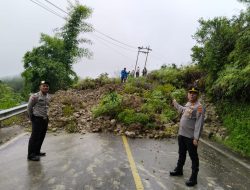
130,46
46,8
113,43
107,45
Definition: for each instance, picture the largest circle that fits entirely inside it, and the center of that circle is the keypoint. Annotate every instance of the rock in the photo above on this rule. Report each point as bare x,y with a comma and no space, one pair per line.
83,132
96,130
54,129
130,134
113,122
77,115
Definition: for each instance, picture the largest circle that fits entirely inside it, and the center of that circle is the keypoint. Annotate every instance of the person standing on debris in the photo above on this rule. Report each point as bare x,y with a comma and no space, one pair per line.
144,71
124,75
38,114
132,74
190,129
137,73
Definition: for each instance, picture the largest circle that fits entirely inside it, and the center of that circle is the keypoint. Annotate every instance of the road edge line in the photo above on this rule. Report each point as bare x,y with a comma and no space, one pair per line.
226,154
137,179
12,141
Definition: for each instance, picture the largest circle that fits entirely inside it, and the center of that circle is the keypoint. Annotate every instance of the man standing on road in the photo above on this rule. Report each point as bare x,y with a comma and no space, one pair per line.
38,115
191,125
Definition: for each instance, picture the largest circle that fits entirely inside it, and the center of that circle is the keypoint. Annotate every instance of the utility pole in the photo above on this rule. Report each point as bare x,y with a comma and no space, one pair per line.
148,49
139,50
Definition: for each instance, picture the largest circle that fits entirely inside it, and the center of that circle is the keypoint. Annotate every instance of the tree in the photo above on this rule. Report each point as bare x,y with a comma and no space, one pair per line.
215,41
54,58
223,51
245,1
8,98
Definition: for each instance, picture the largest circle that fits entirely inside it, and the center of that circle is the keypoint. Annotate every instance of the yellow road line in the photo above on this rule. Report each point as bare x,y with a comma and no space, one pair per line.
135,173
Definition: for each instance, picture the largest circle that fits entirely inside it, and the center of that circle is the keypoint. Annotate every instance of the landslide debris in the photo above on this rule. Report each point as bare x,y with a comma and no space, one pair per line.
70,110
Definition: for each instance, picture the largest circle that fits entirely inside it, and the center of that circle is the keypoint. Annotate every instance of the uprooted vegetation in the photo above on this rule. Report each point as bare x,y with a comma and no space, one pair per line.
140,107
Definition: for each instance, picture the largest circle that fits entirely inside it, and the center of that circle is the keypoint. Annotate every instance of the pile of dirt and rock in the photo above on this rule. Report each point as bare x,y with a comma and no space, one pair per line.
71,111
213,126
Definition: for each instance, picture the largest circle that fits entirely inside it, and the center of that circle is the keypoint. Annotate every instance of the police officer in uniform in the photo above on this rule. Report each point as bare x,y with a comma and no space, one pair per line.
38,114
191,125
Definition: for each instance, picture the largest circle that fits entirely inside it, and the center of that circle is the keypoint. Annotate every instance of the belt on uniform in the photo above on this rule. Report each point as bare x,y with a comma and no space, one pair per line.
40,117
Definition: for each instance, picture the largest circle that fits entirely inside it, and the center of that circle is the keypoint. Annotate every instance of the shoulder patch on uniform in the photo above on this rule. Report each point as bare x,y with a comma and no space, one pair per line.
34,98
199,109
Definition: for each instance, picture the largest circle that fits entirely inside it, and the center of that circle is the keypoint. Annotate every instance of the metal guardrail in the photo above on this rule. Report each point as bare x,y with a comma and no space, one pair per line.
5,114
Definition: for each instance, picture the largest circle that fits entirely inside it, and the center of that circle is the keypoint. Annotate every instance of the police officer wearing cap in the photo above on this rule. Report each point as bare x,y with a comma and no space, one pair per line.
38,114
190,129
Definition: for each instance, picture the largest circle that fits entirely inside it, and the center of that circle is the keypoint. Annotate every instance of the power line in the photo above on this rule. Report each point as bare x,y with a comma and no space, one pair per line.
46,8
130,46
113,43
115,39
56,6
105,43
55,13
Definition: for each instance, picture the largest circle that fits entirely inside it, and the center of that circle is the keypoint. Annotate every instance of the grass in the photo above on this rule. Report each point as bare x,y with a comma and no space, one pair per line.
236,118
17,119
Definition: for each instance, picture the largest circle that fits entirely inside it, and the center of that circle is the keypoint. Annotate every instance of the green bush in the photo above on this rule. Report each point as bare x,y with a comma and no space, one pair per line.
167,76
155,102
141,83
180,95
168,115
101,80
8,98
191,73
131,89
87,83
68,110
150,125
71,127
129,116
236,118
110,105
233,82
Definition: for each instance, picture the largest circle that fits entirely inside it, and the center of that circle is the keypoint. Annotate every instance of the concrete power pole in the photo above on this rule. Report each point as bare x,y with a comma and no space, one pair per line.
148,49
139,50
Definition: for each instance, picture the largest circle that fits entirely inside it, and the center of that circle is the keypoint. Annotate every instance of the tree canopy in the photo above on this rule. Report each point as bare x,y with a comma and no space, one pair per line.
54,58
223,51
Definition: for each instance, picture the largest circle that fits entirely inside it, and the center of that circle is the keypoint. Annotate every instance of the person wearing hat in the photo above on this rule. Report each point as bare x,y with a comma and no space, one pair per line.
190,129
38,114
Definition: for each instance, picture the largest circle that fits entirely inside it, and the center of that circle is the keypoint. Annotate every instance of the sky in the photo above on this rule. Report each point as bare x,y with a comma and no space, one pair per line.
166,26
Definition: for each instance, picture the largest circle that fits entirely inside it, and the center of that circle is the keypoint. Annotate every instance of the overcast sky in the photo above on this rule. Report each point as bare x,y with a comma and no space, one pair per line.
166,26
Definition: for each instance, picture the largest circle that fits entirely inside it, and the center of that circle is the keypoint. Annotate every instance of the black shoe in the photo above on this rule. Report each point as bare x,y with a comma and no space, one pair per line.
33,158
192,180
41,154
176,172
191,183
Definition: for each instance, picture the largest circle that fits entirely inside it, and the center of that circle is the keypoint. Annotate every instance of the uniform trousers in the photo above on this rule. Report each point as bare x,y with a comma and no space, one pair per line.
186,145
39,129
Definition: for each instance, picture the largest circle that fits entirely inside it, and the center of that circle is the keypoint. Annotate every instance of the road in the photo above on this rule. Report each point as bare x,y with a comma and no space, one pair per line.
101,161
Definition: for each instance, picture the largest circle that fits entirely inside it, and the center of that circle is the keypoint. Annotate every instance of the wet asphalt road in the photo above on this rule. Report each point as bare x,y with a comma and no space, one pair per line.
99,161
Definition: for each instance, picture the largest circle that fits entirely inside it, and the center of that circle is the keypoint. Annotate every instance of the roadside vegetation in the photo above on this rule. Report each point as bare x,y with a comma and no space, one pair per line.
220,67
8,97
